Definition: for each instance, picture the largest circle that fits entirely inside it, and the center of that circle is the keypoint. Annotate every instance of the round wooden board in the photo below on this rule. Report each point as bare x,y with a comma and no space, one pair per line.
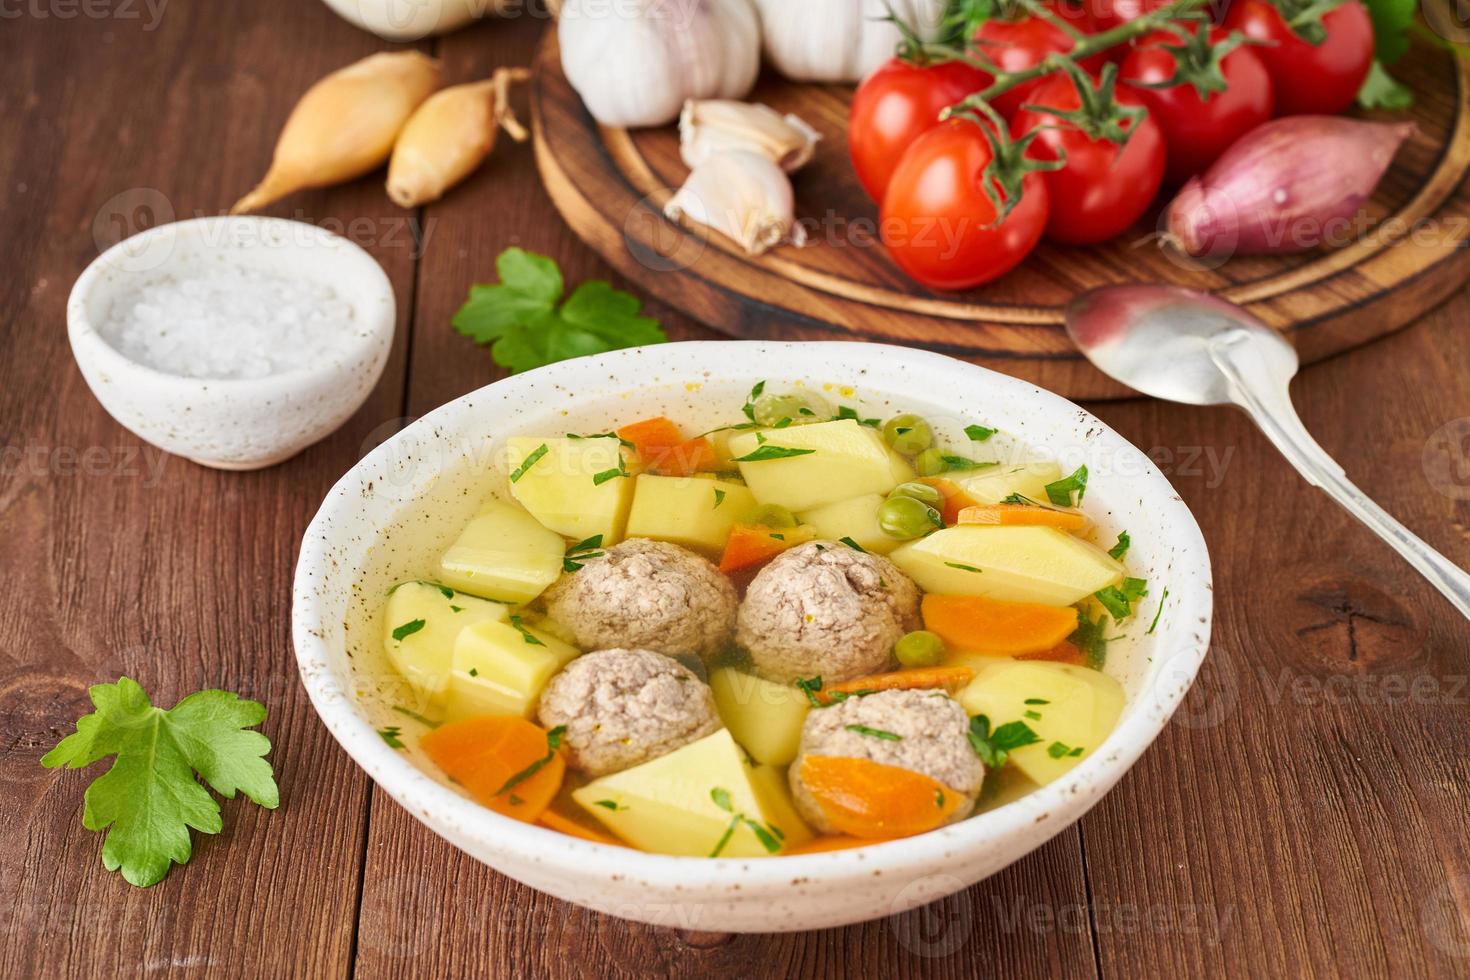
611,184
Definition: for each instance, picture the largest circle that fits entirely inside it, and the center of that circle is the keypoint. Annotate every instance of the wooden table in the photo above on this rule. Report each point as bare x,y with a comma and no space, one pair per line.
1305,813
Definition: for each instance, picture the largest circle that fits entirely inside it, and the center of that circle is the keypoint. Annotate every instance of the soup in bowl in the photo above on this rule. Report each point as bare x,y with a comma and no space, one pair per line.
755,636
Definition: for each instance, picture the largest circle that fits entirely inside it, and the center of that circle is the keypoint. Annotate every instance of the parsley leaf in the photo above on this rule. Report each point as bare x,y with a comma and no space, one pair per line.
526,634
1121,548
769,452
994,748
553,742
1060,492
150,797
810,686
874,733
400,633
853,545
521,319
1159,615
1091,639
979,433
1382,91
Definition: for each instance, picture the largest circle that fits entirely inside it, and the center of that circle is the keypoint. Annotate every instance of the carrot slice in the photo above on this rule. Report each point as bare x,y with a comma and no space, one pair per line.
662,448
867,799
1023,515
688,458
918,679
751,545
552,820
652,437
956,500
506,764
831,842
1062,653
1003,629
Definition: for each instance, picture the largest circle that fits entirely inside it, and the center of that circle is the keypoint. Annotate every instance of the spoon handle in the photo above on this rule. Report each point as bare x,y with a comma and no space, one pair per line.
1277,418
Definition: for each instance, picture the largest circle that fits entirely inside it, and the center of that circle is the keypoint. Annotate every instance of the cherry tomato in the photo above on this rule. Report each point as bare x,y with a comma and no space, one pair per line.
1198,129
1103,189
1015,45
895,105
939,224
1310,79
1112,13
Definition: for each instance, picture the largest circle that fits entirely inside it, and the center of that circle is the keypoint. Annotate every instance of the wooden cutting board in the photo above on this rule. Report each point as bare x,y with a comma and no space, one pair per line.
611,184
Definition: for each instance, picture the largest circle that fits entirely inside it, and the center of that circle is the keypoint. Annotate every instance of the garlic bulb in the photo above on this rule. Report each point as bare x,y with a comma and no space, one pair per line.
840,40
345,125
715,126
635,62
742,195
450,135
411,20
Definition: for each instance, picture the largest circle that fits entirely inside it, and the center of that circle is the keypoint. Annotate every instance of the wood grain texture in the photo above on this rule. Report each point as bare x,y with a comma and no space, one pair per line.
611,184
1305,814
121,560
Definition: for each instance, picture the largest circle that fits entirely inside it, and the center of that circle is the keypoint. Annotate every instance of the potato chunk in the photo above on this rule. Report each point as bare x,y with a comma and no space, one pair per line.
1014,564
855,518
686,802
994,485
503,554
1071,709
843,459
764,717
421,622
576,487
500,668
692,512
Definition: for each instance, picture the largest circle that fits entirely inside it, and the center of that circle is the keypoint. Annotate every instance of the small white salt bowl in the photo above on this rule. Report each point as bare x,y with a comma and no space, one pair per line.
395,512
234,423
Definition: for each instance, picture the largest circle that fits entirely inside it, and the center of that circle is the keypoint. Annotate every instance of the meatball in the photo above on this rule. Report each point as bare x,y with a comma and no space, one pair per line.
824,609
624,707
933,739
648,595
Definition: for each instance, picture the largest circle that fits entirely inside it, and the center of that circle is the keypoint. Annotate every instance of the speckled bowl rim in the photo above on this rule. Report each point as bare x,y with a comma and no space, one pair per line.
436,804
379,306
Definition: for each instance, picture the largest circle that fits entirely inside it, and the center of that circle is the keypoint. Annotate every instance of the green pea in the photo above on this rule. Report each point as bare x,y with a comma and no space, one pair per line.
919,491
769,515
919,649
906,518
908,434
930,462
789,409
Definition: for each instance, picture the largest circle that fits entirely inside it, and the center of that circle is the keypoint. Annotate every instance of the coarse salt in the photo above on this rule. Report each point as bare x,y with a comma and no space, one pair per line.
229,323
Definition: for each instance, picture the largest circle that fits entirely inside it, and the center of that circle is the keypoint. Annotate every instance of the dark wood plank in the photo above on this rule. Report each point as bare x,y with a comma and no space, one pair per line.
1311,795
141,564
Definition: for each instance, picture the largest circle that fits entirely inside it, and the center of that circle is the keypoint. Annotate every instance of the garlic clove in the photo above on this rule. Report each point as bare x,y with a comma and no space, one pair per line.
711,126
450,135
742,195
345,125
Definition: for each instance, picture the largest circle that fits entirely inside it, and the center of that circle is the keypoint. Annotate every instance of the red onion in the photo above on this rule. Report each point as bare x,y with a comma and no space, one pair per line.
1287,186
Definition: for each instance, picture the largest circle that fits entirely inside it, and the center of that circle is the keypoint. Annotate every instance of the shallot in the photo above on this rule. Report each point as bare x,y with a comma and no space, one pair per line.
1289,185
345,125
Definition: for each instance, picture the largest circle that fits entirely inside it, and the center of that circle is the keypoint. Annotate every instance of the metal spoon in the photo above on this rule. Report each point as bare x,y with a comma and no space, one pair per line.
1189,347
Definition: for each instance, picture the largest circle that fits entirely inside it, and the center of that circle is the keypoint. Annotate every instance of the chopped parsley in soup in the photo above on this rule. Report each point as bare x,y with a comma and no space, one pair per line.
803,631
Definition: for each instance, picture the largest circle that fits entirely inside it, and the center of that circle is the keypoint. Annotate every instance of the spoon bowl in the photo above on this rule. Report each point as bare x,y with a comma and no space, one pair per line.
1163,341
1196,349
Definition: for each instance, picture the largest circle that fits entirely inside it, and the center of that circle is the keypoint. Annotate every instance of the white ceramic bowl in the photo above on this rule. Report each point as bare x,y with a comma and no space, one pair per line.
235,424
389,518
